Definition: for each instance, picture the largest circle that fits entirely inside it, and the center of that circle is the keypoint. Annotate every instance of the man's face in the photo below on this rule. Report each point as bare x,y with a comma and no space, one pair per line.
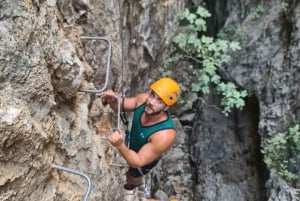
154,104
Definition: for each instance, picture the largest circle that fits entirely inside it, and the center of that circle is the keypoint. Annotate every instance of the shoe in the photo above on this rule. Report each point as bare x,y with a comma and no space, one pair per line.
129,195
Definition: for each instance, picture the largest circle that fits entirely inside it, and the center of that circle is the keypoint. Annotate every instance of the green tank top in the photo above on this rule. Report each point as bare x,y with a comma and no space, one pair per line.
139,134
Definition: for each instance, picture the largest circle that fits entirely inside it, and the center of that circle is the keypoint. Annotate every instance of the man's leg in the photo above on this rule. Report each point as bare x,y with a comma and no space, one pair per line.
133,178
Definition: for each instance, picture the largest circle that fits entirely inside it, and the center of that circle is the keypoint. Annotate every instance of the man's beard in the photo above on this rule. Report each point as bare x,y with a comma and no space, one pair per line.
154,113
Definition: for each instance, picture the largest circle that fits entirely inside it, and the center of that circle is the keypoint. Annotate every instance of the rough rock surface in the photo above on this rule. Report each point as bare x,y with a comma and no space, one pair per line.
45,118
227,154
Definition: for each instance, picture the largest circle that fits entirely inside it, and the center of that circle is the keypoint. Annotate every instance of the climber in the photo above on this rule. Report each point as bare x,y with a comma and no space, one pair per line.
152,131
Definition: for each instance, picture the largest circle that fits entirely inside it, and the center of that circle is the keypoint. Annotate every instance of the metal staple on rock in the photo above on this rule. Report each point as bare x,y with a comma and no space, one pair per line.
107,64
106,74
77,173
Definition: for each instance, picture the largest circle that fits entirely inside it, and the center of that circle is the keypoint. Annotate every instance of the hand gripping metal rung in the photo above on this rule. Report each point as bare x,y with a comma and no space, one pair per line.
106,74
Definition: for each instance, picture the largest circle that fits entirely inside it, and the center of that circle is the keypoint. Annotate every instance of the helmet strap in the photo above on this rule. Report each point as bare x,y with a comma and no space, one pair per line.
166,108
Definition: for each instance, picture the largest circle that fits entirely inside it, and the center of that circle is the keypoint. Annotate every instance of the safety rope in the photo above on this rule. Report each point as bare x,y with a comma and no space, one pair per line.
123,114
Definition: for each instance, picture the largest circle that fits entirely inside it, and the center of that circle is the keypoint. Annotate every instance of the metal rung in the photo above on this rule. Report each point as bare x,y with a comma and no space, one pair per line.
106,74
77,173
107,64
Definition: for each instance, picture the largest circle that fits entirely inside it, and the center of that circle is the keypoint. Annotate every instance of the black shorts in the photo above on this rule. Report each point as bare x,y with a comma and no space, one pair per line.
135,172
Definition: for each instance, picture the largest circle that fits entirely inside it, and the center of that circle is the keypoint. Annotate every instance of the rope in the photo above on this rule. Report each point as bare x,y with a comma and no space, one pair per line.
122,46
123,114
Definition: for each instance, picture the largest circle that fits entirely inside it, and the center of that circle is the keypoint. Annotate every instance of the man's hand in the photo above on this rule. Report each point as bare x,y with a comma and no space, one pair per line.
116,138
109,97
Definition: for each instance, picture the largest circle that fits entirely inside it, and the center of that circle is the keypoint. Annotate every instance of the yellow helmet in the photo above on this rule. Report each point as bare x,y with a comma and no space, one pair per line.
167,89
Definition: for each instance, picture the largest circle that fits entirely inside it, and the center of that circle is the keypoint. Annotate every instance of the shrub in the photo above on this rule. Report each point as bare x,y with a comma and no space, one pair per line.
281,152
206,55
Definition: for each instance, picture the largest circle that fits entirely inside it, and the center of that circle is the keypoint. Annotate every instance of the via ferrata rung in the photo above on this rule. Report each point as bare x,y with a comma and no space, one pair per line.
107,64
106,72
77,173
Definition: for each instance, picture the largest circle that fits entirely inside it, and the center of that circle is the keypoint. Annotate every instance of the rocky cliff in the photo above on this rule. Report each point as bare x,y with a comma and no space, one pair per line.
227,154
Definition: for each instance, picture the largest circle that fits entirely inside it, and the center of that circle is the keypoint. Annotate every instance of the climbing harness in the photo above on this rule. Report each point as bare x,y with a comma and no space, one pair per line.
125,122
77,173
127,137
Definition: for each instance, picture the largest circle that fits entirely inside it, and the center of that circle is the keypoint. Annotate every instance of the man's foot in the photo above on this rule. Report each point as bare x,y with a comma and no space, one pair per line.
129,195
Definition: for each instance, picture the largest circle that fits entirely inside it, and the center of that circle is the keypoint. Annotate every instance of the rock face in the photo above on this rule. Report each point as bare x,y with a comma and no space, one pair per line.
45,64
227,154
46,118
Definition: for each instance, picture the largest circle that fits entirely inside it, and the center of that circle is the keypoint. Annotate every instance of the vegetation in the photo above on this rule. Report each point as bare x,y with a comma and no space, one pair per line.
284,6
205,55
259,10
231,32
281,152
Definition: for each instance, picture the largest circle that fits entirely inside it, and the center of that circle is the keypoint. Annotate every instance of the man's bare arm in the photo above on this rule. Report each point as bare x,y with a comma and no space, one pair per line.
156,146
126,104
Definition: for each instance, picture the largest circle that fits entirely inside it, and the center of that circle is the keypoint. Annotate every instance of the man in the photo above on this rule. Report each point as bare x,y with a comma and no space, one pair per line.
152,132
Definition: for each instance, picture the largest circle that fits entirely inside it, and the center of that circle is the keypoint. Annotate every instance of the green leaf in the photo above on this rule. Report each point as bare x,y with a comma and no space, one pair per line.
200,24
223,45
215,79
234,46
203,12
191,17
196,87
206,40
